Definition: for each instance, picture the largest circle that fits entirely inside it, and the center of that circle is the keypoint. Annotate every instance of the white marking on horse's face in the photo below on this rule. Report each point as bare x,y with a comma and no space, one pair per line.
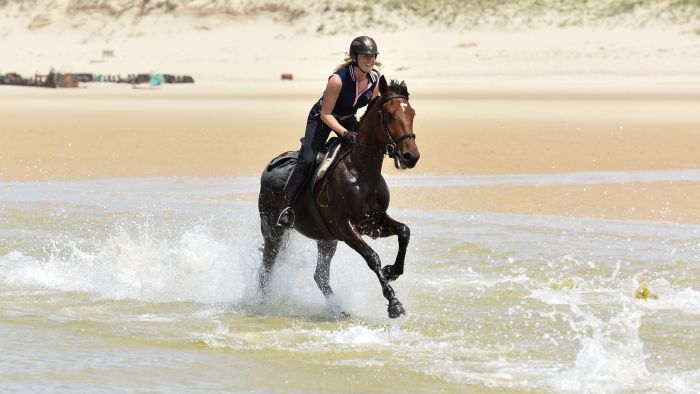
403,106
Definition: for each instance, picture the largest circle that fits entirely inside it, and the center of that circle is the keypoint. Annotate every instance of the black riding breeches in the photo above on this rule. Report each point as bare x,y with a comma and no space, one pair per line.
315,138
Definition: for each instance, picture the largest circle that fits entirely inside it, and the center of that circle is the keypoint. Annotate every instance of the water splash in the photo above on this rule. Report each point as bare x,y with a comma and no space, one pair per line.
193,266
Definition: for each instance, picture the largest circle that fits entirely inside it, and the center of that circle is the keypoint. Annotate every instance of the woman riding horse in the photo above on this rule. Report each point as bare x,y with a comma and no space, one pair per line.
353,199
350,87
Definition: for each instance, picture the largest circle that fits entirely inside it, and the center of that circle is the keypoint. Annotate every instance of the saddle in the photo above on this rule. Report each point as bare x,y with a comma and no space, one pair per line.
278,170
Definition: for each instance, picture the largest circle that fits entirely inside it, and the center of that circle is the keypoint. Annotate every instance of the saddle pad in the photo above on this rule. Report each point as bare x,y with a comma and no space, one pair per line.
276,173
327,157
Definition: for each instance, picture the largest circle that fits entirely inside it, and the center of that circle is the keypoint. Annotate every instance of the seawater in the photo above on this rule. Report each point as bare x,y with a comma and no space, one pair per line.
149,285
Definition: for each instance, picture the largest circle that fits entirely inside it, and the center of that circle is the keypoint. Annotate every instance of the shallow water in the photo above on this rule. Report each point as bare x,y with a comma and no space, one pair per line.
149,285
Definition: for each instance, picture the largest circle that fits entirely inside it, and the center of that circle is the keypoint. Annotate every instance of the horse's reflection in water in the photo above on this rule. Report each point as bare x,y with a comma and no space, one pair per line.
355,196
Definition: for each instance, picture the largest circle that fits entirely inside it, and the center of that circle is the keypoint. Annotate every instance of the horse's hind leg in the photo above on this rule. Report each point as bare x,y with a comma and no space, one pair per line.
271,250
322,276
392,227
326,250
273,240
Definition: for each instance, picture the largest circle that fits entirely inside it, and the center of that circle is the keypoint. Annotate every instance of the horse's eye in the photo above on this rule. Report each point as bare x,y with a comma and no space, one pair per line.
389,116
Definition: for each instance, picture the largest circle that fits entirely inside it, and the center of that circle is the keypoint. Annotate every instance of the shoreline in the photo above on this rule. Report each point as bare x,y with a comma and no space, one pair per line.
658,201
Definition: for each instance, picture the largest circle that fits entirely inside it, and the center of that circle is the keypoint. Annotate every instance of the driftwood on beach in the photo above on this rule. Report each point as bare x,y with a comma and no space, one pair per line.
72,80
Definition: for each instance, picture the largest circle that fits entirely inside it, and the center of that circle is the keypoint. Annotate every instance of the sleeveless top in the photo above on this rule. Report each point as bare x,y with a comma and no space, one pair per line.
349,100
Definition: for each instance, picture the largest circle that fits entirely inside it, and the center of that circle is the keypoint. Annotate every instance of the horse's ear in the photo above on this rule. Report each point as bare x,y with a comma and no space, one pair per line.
403,85
383,88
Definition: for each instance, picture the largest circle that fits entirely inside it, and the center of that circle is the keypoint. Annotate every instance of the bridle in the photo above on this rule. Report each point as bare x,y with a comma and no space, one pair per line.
391,145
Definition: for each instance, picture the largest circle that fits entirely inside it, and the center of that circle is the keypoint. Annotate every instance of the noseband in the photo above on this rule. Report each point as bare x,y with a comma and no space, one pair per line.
391,146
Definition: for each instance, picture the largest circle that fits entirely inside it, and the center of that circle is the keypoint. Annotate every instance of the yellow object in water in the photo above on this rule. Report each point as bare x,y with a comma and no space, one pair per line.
643,292
567,283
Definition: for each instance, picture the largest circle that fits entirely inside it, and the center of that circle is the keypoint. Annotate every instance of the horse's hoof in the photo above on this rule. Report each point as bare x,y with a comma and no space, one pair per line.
388,272
395,309
338,313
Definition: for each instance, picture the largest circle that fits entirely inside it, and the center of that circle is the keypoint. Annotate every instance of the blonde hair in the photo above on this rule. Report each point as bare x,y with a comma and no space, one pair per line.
348,60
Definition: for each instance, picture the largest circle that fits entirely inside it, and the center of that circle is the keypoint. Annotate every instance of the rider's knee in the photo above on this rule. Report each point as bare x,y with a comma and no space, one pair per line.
306,159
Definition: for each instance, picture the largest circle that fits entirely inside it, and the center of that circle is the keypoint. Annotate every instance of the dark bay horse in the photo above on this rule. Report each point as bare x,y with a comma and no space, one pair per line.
354,197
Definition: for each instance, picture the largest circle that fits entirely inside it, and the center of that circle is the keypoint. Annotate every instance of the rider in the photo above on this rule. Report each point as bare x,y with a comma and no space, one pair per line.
350,87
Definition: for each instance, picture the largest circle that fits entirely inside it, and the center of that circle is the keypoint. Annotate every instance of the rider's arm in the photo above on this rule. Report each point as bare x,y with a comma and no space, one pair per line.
330,96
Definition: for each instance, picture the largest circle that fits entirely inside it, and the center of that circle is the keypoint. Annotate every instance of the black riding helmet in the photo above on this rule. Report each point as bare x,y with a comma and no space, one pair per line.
364,45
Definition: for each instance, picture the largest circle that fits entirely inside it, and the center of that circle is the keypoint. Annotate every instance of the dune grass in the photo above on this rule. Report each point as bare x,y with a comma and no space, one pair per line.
336,15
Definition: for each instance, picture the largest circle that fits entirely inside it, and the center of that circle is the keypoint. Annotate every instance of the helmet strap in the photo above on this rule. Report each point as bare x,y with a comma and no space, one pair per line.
357,65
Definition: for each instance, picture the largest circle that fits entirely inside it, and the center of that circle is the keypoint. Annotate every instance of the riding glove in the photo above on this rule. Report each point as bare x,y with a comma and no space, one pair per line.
350,136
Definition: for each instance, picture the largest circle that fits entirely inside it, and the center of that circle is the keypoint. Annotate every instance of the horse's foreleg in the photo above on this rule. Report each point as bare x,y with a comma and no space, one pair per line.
322,276
355,241
392,227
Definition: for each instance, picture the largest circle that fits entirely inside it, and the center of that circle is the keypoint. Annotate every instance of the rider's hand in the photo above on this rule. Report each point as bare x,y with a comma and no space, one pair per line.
350,136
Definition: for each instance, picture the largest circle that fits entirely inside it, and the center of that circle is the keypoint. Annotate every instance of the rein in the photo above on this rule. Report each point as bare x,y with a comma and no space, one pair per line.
391,146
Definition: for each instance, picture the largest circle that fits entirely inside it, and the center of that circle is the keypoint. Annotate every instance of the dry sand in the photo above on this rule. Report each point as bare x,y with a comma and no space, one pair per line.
117,131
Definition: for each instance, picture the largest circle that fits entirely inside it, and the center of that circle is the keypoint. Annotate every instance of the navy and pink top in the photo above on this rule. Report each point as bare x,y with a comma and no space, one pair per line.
349,99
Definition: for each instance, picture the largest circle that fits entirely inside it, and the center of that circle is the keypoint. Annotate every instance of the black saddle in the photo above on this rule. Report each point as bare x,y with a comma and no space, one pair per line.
278,170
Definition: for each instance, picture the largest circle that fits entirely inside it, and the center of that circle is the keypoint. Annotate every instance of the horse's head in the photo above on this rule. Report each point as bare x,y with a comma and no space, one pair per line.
396,116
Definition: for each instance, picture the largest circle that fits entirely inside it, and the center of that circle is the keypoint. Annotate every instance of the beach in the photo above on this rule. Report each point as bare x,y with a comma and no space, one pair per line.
233,129
553,212
539,100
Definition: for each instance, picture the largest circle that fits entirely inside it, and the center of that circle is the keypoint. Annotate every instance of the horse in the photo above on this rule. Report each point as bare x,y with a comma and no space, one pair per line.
354,196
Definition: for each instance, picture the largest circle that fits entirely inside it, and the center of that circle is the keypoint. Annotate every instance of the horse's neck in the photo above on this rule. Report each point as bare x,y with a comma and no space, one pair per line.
366,160
367,134
367,156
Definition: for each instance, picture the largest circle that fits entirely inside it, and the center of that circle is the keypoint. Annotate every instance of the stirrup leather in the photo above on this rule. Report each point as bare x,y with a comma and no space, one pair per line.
289,213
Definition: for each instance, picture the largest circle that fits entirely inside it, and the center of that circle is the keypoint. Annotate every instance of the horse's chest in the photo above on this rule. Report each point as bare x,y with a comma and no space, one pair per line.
371,194
372,223
366,191
375,201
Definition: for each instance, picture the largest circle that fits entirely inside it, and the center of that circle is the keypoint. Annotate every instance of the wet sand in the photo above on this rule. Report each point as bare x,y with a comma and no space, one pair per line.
205,131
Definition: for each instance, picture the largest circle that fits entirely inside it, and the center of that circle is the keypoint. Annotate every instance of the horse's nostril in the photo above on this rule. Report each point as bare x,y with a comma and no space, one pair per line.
407,156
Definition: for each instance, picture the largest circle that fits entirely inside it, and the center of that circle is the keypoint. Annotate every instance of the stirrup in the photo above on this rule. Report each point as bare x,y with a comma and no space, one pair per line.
286,218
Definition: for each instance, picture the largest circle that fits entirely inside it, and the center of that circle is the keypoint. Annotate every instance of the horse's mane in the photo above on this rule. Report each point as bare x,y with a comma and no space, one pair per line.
395,86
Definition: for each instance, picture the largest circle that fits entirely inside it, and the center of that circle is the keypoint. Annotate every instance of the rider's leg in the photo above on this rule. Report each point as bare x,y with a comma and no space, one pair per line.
294,185
314,138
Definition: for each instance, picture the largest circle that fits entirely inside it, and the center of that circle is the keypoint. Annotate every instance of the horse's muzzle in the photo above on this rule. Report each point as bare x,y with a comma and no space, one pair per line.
404,160
409,159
